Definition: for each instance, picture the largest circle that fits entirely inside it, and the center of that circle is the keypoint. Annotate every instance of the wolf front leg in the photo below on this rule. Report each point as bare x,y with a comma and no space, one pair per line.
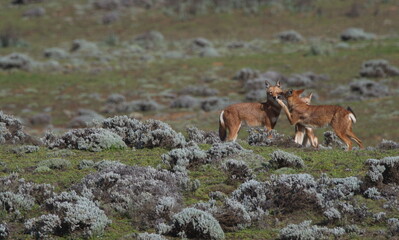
287,112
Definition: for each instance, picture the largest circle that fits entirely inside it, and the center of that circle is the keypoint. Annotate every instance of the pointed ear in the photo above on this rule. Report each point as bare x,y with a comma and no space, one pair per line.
267,84
300,91
310,96
278,83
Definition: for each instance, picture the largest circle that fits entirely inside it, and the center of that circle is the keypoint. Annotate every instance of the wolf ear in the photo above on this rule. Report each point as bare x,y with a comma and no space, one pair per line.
267,84
278,83
300,91
310,96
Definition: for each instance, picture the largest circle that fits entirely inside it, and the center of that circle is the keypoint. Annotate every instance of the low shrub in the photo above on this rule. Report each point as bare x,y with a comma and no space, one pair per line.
232,216
202,137
305,230
280,159
214,103
4,232
43,226
35,12
198,90
141,193
194,223
388,145
237,170
148,134
40,119
393,224
261,137
18,61
356,34
149,236
12,202
179,159
149,40
384,171
55,163
84,164
364,88
246,74
332,140
55,53
76,213
185,101
307,79
290,36
378,68
222,150
25,149
90,139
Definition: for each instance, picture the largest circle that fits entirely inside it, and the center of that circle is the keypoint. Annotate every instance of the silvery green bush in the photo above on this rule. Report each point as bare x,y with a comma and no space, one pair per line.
246,74
365,88
78,213
90,139
55,53
332,140
214,103
4,232
148,134
332,214
25,149
281,159
378,68
43,226
290,36
84,164
388,145
185,101
202,137
141,193
393,224
222,150
232,215
306,231
194,223
18,61
237,170
12,202
372,193
356,34
55,163
149,236
12,130
385,170
181,158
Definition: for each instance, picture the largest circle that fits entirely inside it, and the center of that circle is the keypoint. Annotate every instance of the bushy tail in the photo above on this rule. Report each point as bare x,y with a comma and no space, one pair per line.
222,128
352,115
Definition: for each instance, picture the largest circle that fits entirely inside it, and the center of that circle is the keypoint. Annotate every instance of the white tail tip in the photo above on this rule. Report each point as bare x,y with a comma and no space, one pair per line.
352,117
221,118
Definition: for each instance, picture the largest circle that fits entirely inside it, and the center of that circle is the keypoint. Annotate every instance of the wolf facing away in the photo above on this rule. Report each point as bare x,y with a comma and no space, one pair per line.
253,114
313,116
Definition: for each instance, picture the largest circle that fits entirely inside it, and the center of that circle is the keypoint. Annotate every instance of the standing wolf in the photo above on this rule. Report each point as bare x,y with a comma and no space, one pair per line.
312,116
253,114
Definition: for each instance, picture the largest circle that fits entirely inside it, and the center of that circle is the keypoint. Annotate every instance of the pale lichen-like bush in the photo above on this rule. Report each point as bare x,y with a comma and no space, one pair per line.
281,159
148,134
90,139
254,196
185,101
104,164
237,170
245,74
378,68
232,215
356,34
214,103
78,213
225,149
202,137
332,140
149,236
4,232
55,163
307,231
25,149
290,36
136,191
307,79
18,61
393,224
194,223
261,137
12,202
365,88
11,130
179,159
384,171
332,214
84,164
388,145
372,193
43,226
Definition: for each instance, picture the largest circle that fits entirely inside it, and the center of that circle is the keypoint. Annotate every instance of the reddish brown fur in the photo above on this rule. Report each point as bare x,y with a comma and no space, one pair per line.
253,114
318,116
303,135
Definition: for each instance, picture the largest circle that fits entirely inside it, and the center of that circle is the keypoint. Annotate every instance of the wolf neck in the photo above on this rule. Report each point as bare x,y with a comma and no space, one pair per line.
274,106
